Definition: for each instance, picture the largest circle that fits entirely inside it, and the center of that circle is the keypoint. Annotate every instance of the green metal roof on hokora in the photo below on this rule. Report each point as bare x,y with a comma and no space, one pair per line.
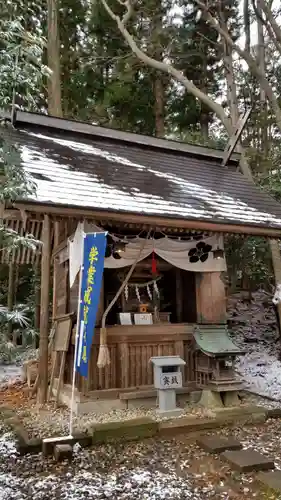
215,341
113,172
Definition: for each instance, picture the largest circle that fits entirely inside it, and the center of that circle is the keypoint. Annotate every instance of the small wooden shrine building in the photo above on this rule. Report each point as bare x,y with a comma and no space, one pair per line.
133,186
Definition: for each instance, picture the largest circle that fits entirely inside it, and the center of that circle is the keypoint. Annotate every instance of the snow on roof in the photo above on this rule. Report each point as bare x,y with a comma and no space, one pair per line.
71,168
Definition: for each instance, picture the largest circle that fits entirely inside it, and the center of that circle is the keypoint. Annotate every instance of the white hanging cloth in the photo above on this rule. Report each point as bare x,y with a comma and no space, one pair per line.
75,253
191,255
75,248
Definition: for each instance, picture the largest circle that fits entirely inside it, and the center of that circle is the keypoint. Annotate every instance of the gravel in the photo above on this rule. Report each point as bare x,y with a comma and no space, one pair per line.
156,469
49,421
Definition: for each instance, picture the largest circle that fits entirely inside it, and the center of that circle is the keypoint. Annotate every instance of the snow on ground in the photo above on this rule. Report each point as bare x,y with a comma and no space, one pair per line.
262,374
12,373
106,473
9,374
254,330
156,469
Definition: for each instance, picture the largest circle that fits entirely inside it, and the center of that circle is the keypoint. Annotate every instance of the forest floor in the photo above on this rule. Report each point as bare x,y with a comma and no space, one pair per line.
254,329
155,469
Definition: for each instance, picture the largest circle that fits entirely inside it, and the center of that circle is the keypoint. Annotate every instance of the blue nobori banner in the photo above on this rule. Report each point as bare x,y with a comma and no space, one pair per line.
91,280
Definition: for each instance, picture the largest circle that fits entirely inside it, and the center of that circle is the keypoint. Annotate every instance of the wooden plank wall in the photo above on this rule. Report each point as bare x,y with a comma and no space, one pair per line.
210,298
130,351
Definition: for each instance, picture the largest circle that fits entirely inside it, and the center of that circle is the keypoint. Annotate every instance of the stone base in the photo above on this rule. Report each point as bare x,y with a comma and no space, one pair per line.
130,430
113,399
243,414
49,444
231,399
211,399
271,480
169,413
217,444
248,460
99,406
141,403
63,452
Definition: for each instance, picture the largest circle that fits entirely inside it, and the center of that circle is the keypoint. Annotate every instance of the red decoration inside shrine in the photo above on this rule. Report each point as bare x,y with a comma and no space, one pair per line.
153,264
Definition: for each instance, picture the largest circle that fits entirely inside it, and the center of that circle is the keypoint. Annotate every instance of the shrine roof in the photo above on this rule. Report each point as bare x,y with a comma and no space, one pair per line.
214,340
80,165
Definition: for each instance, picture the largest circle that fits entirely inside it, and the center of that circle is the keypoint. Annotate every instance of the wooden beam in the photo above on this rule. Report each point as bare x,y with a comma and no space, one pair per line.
106,133
153,221
233,140
44,309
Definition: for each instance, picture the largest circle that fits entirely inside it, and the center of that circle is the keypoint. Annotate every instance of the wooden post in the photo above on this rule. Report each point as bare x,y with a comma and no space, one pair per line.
100,310
179,298
11,292
37,294
55,268
44,315
210,298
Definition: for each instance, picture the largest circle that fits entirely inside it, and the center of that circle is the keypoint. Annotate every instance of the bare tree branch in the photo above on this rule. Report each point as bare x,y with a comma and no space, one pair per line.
270,18
165,67
252,63
267,25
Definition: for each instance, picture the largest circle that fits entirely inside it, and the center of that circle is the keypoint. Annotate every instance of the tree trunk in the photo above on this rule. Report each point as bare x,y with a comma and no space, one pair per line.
44,316
204,118
159,106
156,49
54,81
263,102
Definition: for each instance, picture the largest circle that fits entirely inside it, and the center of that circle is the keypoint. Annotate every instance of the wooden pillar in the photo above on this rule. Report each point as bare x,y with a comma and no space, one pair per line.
37,294
15,291
55,268
11,293
44,309
179,297
100,310
210,298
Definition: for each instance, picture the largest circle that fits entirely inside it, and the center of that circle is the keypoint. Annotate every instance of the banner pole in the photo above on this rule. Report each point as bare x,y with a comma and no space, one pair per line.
78,326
